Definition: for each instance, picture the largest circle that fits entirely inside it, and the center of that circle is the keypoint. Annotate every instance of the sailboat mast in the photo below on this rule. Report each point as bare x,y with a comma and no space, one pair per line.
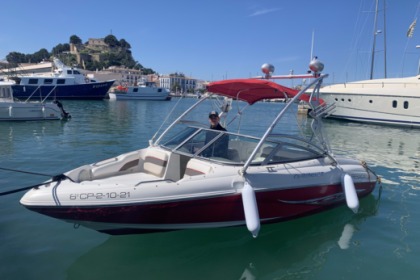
374,40
385,38
376,32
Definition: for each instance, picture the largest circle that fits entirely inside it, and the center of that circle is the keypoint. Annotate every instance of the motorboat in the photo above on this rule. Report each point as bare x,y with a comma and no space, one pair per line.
15,110
144,91
386,101
64,83
191,176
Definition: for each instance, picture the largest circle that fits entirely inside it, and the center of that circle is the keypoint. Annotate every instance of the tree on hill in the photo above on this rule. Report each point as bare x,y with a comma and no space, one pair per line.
40,55
124,44
111,41
14,58
75,40
60,48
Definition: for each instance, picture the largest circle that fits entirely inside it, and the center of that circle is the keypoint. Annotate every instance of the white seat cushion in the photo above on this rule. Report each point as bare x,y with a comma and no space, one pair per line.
155,162
197,167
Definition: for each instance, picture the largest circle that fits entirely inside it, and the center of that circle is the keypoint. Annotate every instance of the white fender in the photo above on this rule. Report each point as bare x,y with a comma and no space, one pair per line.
252,217
350,192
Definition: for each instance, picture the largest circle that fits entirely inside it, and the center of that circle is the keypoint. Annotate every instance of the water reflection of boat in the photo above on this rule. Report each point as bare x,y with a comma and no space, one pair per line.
300,248
390,147
195,177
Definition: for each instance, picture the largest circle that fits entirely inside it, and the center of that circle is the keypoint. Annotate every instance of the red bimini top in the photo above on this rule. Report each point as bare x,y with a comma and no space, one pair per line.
252,90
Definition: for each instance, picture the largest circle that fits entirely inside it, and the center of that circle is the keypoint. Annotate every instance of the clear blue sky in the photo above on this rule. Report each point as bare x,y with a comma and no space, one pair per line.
218,39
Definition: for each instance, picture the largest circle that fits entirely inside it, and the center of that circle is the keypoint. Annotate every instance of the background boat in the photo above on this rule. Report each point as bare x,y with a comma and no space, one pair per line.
65,83
145,91
14,110
392,101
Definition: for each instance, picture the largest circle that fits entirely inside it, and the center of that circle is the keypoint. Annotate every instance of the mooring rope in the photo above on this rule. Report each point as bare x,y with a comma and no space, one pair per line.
26,172
54,178
378,178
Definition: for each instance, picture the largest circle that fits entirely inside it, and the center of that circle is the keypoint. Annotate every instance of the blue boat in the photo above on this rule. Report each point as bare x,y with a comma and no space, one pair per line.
65,83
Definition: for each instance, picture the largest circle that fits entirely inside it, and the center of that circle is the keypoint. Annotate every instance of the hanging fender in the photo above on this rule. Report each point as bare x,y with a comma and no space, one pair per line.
350,192
252,217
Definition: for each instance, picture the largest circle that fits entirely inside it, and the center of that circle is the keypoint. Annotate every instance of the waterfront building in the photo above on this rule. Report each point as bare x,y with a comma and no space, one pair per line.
178,83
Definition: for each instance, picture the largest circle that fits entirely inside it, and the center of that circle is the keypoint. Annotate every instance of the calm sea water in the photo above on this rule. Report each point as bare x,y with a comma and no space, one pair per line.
380,242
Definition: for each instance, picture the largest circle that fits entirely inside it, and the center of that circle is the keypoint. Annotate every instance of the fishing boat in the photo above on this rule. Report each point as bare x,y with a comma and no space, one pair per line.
386,101
65,83
144,91
191,176
14,110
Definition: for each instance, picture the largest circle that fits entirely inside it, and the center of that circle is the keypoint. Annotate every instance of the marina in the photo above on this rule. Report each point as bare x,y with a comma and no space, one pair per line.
313,179
330,245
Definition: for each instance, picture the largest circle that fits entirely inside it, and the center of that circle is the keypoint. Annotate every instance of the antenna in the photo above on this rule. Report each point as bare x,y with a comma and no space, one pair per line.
312,45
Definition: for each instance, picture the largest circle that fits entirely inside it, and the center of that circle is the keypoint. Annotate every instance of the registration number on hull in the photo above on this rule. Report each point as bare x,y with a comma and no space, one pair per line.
108,195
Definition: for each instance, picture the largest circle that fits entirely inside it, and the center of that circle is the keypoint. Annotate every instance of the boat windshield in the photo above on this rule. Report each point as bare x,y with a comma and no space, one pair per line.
270,133
231,148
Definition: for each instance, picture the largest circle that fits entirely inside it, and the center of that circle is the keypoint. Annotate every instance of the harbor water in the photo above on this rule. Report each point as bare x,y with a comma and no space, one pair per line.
382,241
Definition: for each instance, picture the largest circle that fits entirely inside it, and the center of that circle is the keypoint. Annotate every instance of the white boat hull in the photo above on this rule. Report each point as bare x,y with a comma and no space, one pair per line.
383,101
140,93
20,111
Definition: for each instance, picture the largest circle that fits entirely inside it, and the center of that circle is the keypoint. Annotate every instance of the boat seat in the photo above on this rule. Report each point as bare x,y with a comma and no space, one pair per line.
233,155
112,166
197,167
266,151
155,162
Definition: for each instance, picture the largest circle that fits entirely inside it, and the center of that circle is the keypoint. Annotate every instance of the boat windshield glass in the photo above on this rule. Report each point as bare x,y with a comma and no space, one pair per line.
231,148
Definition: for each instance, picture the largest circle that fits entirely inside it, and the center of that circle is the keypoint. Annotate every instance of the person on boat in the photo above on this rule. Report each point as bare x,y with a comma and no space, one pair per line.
214,120
220,147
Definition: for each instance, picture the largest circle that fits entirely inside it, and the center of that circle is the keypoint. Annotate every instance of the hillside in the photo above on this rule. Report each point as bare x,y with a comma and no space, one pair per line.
92,55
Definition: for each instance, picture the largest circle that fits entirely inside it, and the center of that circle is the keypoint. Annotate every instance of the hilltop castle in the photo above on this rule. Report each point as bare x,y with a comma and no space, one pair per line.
91,51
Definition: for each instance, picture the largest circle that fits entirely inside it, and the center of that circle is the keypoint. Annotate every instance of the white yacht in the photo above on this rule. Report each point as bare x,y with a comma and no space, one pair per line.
391,101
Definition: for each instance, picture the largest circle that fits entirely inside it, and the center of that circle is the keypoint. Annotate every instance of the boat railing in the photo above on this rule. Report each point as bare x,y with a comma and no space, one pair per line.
322,110
42,99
